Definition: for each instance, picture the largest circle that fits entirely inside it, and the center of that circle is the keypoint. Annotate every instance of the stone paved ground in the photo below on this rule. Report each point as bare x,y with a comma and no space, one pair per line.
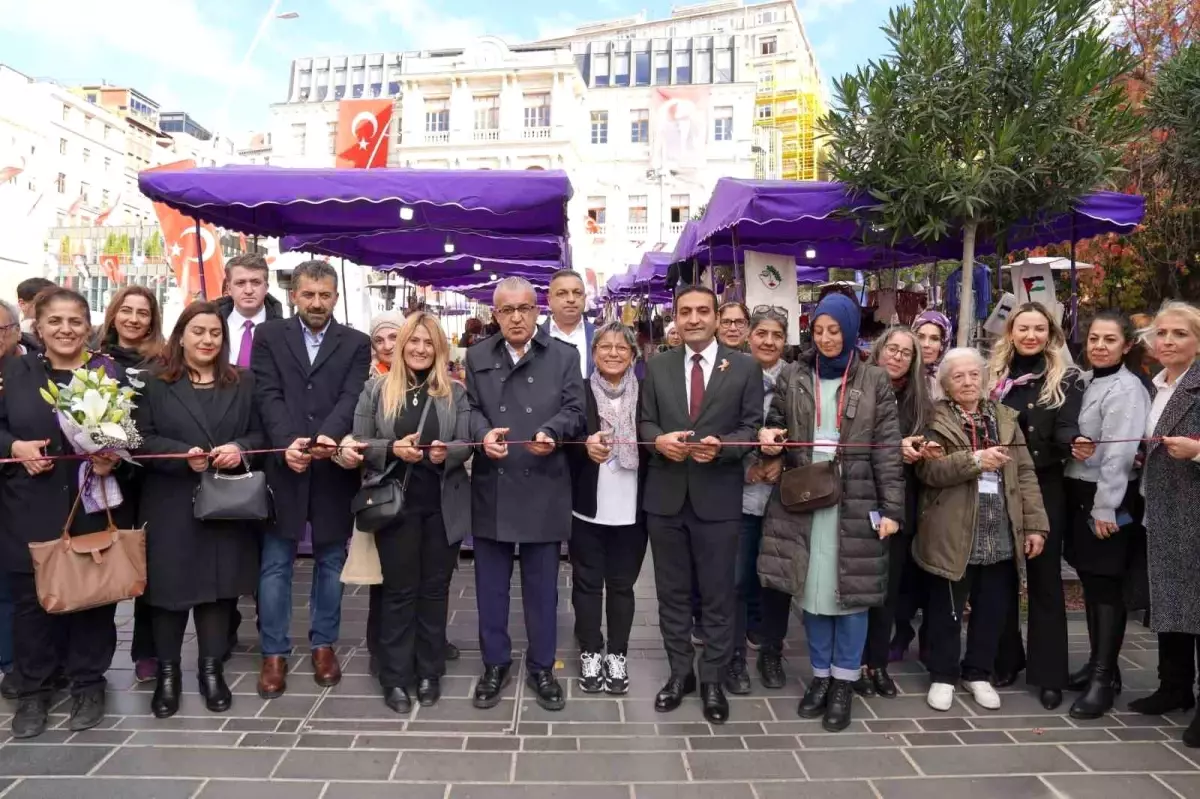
342,743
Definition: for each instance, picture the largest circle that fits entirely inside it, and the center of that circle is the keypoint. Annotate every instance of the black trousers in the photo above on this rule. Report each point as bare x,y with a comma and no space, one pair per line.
1177,653
914,597
990,589
417,563
776,614
1046,664
605,563
212,630
879,619
679,544
142,646
79,645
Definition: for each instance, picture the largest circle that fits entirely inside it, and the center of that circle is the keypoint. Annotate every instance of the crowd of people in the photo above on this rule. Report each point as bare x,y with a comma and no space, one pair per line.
861,489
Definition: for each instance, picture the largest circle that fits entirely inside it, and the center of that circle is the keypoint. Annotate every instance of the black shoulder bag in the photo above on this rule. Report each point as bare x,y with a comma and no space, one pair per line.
381,499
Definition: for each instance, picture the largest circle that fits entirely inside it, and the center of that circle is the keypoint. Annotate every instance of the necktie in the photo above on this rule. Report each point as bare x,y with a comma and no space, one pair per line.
697,394
243,360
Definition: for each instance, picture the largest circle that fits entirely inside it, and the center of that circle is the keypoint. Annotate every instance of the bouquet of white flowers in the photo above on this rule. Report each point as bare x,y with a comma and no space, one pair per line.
95,413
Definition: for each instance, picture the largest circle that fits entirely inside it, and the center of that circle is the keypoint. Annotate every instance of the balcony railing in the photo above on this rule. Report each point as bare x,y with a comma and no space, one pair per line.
536,133
437,137
636,228
675,227
487,134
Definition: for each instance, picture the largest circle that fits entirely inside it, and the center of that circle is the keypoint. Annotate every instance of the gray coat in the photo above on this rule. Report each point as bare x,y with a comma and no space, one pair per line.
524,498
1172,494
872,479
373,426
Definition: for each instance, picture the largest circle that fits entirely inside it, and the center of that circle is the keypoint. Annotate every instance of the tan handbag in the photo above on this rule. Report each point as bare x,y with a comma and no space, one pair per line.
362,561
81,572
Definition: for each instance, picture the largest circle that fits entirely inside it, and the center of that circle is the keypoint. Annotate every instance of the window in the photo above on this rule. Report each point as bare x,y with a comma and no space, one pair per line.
637,209
703,71
683,66
767,45
66,113
765,112
91,98
537,110
681,208
60,183
107,164
601,69
766,17
104,198
393,81
766,79
641,69
662,68
621,69
437,115
599,127
724,64
333,137
487,112
596,209
299,137
358,76
639,126
62,146
84,192
723,123
87,155
376,80
87,125
304,95
339,77
583,63
339,92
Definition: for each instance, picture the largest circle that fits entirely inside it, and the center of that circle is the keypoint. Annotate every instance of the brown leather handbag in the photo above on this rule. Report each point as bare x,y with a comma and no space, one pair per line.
81,572
811,487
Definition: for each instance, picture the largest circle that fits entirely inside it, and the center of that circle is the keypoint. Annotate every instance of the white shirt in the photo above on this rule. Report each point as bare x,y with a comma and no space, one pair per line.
512,353
577,338
616,491
1161,398
708,359
237,324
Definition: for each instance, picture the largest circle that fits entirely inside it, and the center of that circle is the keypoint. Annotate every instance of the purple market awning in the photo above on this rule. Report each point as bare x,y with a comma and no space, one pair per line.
483,292
463,267
1096,213
387,247
278,201
653,267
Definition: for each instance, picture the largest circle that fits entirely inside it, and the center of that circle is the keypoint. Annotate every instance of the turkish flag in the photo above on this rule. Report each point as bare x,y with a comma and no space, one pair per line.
189,246
111,264
362,133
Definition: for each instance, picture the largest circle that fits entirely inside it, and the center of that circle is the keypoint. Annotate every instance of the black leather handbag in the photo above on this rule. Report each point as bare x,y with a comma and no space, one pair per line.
243,497
381,498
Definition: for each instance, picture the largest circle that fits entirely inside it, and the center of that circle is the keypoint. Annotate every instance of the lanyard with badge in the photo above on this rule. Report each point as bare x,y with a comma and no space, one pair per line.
989,482
829,445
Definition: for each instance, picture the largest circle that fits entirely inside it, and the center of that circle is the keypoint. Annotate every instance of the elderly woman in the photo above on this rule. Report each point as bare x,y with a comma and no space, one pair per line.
608,536
733,325
831,554
986,477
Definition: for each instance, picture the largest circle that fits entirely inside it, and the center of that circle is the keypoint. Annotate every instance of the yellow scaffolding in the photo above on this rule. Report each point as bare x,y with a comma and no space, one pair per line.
791,105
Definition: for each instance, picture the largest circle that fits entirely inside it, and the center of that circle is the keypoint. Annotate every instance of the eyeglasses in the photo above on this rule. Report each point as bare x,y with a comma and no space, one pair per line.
736,324
778,310
618,349
9,328
898,352
512,310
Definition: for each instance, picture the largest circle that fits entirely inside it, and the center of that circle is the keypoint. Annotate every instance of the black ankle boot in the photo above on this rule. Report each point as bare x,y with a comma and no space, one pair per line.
165,702
217,696
1107,636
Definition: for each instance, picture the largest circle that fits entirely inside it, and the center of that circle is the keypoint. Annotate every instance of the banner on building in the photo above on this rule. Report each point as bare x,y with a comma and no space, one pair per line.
771,280
111,266
361,141
679,134
191,249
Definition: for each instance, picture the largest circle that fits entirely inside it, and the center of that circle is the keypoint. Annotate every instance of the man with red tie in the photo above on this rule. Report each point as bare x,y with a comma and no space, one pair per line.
700,404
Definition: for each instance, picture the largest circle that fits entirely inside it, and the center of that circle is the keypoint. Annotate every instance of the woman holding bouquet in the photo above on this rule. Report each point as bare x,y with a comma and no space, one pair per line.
36,499
201,406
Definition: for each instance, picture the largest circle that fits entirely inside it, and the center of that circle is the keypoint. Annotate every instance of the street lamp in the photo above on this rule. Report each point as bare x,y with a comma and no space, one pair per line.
288,15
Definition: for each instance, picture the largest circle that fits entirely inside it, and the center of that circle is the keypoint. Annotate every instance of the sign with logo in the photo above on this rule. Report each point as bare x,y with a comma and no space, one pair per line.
771,280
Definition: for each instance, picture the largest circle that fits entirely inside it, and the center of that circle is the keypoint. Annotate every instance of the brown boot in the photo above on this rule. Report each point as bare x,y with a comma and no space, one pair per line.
326,671
272,679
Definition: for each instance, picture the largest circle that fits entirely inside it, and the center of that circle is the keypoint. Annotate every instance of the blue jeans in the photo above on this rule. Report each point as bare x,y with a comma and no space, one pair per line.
6,624
748,615
275,594
835,644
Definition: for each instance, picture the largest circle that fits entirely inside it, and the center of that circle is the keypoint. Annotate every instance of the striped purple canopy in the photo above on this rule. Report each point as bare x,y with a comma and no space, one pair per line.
412,247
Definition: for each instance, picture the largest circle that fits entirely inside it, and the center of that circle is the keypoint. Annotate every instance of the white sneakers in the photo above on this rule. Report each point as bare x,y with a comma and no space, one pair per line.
941,695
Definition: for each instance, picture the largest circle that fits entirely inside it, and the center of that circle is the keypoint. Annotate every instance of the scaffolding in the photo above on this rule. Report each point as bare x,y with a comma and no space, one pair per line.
791,106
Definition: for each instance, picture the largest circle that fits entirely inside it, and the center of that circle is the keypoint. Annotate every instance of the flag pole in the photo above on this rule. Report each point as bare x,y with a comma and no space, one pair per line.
200,261
345,292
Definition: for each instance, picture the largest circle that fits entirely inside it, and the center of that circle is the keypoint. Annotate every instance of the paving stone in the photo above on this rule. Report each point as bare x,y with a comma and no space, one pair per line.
829,764
325,741
768,742
815,789
600,767
1186,785
270,740
575,710
101,788
710,766
975,788
367,764
655,744
1130,757
191,762
991,722
184,738
1132,734
717,743
415,743
493,743
25,760
453,767
1064,735
717,790
537,792
932,738
376,790
1091,786
550,744
249,789
980,760
982,737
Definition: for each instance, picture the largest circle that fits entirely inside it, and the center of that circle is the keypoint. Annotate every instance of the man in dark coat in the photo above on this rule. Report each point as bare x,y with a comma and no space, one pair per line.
567,297
696,400
309,371
523,386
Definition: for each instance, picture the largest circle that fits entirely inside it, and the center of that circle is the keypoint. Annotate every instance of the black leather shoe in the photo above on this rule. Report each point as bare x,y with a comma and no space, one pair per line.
1165,700
1051,698
429,691
165,702
1191,736
864,686
672,694
1005,679
398,700
812,706
770,669
30,719
217,696
546,690
737,678
490,686
452,652
838,706
8,686
885,686
716,706
87,710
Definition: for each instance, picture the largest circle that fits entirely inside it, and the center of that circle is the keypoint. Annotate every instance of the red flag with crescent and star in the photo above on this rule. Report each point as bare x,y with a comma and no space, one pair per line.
111,264
362,133
189,246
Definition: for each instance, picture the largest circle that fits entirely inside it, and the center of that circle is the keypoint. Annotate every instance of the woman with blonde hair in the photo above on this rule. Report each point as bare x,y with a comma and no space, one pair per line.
411,426
1030,372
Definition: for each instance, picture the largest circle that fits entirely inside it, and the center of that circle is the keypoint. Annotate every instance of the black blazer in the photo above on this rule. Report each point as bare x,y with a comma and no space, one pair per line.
301,400
36,508
585,472
1048,431
192,562
732,411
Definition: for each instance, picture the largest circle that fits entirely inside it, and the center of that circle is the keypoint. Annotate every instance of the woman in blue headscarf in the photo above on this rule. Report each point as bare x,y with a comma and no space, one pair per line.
830,552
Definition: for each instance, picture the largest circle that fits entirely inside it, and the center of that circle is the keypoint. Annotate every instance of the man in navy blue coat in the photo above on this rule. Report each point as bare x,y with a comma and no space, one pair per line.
309,371
567,298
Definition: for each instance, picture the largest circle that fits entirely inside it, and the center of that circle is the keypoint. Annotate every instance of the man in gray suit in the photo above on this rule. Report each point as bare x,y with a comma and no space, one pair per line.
698,402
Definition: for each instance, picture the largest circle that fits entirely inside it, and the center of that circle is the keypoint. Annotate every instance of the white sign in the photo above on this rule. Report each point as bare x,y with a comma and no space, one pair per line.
771,280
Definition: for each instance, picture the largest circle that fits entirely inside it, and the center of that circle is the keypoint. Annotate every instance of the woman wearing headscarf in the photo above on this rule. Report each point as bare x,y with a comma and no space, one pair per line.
834,559
932,330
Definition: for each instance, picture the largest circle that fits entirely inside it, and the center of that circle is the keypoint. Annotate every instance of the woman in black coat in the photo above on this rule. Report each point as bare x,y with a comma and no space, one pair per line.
1031,373
608,534
200,405
36,498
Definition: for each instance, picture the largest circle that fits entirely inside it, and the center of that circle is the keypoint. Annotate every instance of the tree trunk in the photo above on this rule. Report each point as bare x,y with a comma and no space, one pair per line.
966,294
